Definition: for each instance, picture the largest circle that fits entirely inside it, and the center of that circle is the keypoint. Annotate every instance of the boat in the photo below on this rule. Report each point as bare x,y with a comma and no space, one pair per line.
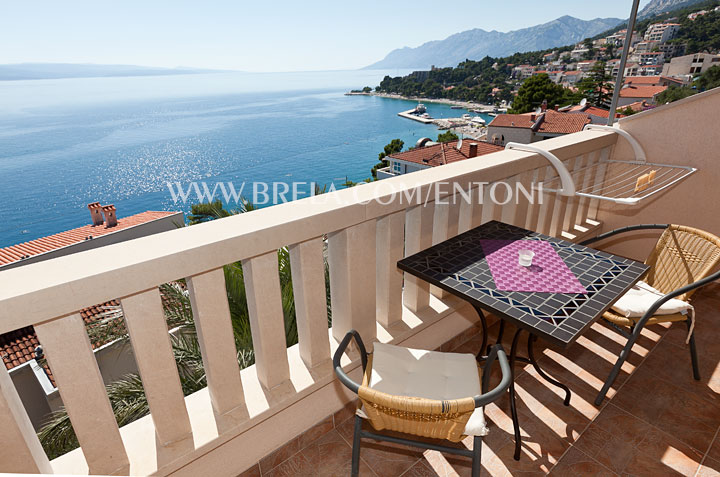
466,117
456,107
492,114
420,108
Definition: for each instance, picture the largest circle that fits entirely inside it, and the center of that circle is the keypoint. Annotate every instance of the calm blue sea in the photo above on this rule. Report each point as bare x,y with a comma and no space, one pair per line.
65,143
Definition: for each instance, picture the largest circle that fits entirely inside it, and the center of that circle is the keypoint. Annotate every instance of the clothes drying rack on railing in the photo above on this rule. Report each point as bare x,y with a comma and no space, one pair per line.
622,182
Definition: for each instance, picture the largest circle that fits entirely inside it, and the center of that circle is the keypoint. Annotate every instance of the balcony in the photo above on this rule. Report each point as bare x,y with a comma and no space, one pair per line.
288,415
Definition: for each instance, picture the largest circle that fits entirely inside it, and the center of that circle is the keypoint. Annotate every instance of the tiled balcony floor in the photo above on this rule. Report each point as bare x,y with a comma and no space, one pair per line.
658,421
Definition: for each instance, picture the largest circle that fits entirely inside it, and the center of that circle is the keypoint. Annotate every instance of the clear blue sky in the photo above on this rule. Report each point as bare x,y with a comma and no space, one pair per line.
279,35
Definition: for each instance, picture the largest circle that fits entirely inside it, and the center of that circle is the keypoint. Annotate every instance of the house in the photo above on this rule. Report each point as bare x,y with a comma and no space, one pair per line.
427,153
596,115
662,32
631,69
631,94
690,64
693,16
650,58
20,349
586,66
655,80
523,72
572,77
650,70
646,46
612,67
533,127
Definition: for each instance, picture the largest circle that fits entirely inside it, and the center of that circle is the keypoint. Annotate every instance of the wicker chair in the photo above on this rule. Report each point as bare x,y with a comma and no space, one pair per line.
440,414
680,263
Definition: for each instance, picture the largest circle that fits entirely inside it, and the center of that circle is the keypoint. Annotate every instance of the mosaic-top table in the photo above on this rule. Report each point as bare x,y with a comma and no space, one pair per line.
460,266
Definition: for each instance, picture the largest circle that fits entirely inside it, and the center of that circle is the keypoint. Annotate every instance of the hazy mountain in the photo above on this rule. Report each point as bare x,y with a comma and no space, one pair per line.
656,7
29,71
476,44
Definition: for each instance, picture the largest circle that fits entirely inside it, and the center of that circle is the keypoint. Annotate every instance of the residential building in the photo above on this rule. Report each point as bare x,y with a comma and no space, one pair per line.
632,93
105,229
631,69
646,46
662,32
671,50
596,115
654,80
690,64
650,70
533,127
20,350
572,77
692,16
612,67
523,72
586,66
579,53
427,153
650,58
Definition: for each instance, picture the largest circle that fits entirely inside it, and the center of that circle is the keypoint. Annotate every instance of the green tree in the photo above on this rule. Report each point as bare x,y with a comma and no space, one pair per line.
597,86
673,93
366,89
392,147
709,80
588,44
447,136
535,90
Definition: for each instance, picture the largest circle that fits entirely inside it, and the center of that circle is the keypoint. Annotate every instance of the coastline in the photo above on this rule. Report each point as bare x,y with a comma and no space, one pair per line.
469,105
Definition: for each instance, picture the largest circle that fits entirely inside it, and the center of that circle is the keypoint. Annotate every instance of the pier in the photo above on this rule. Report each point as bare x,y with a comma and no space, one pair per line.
409,115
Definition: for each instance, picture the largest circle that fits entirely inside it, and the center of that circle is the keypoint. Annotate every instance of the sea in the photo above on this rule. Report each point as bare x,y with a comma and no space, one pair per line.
128,141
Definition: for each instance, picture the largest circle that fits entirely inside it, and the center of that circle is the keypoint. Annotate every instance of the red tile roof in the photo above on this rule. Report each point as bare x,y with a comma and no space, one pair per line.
553,122
561,123
643,80
593,111
445,153
641,91
18,347
14,253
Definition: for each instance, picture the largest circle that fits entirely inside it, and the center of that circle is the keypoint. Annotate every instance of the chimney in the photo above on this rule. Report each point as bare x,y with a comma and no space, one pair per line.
473,149
544,105
532,118
95,213
110,218
557,107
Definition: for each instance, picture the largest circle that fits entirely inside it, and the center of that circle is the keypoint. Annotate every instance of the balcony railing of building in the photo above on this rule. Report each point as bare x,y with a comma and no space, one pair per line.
243,415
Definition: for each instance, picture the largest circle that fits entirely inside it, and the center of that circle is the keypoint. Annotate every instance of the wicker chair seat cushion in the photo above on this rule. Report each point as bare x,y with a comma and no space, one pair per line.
638,300
428,374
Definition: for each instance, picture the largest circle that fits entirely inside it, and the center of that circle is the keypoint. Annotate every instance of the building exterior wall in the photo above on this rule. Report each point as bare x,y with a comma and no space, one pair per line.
690,64
506,135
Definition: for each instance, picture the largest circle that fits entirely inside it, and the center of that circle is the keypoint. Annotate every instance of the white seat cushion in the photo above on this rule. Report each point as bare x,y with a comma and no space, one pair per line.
636,301
428,374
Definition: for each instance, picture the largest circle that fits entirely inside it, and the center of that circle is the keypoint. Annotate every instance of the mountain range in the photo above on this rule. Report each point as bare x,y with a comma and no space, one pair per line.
475,44
656,7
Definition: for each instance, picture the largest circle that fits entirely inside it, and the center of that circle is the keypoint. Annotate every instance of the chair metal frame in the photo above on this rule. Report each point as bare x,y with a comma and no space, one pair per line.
640,324
496,352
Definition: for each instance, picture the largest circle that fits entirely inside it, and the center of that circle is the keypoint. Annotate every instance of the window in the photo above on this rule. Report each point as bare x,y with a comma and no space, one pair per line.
397,167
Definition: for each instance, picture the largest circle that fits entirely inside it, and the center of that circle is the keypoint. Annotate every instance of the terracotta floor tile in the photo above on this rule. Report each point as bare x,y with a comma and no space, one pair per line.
576,463
612,439
709,468
315,432
673,409
714,451
660,453
279,456
671,361
328,456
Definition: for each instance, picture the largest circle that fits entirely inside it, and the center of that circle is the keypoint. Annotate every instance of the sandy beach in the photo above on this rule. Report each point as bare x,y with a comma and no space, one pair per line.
469,105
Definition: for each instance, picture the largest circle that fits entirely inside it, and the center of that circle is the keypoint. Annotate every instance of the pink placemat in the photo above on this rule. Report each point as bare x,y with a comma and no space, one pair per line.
548,273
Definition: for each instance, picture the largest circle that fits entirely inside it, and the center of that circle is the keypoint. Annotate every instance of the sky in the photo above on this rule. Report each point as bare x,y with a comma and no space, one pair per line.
278,35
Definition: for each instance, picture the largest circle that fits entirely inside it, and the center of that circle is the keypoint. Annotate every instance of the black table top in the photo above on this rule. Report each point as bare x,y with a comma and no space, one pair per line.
458,265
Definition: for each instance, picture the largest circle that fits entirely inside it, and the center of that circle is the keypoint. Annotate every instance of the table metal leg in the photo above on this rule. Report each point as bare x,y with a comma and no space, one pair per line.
513,410
531,340
484,344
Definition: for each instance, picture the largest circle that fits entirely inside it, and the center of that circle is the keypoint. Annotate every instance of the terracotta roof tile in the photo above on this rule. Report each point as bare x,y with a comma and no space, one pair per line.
14,253
641,91
446,153
553,122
